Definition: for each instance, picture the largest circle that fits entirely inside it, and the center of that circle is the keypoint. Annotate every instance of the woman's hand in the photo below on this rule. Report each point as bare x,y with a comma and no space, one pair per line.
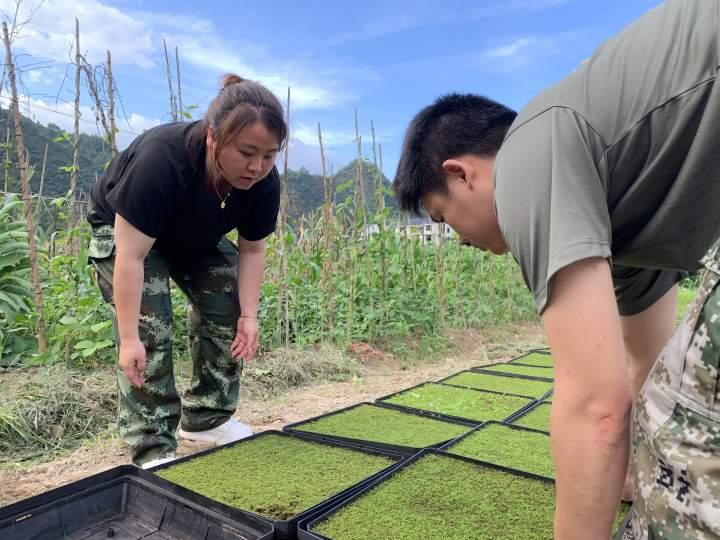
132,361
246,340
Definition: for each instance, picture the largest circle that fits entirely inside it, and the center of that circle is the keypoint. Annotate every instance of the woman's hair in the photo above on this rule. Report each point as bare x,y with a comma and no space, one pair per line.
240,103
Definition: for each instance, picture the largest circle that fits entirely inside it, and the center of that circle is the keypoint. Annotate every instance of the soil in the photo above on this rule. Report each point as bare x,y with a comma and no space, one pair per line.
382,378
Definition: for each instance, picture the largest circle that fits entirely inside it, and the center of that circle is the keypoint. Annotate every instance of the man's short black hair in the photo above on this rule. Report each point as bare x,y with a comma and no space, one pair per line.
454,125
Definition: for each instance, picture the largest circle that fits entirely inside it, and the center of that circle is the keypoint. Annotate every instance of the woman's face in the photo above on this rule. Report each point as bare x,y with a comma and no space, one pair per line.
249,157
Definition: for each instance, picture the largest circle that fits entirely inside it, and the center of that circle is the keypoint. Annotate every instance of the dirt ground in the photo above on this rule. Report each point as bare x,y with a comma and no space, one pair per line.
381,378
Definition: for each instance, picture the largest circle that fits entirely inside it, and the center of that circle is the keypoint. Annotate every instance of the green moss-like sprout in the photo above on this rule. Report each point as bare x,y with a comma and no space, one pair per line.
537,418
275,476
514,448
461,402
442,498
498,383
535,359
372,423
514,369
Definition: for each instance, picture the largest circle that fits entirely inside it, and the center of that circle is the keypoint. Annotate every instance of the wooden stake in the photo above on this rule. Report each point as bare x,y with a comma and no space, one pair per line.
25,183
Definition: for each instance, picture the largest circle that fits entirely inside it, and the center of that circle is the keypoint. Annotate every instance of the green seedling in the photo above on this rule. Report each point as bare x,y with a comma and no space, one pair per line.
538,418
498,383
460,402
535,359
275,476
515,448
514,369
376,424
443,498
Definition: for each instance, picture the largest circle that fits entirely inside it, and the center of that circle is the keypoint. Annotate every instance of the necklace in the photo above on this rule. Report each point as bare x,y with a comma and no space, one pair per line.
222,199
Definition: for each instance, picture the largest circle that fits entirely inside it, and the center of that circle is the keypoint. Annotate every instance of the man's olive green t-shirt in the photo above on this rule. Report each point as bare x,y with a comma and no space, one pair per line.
621,160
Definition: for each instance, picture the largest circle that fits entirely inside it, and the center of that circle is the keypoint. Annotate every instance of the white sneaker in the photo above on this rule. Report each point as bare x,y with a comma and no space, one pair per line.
160,460
230,431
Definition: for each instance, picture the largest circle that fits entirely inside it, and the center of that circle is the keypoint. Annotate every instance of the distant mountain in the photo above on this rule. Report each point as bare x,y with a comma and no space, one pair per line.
305,189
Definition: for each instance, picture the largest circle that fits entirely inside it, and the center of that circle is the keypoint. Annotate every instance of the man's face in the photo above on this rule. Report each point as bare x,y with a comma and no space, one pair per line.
468,205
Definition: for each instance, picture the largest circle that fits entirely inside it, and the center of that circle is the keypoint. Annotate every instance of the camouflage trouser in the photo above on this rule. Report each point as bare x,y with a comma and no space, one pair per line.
149,416
676,426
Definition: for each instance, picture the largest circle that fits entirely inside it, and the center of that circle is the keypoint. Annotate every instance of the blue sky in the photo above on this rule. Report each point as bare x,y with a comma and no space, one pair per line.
385,59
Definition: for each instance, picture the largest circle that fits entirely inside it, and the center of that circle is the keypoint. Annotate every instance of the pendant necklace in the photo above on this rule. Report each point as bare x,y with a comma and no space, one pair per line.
222,199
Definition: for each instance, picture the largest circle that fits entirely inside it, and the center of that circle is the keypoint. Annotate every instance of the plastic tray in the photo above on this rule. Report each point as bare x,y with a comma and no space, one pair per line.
404,450
497,374
285,529
125,503
306,526
484,369
449,417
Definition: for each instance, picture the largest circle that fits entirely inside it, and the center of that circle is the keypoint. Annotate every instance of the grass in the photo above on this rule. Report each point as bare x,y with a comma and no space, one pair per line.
514,448
443,498
461,402
685,297
376,424
274,476
514,369
440,497
538,418
46,412
535,359
498,383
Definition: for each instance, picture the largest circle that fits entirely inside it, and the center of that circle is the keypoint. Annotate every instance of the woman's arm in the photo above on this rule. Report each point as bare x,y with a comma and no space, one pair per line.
251,267
131,248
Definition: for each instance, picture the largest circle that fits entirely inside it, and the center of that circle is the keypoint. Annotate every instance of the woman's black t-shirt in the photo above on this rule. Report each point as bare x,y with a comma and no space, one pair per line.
153,185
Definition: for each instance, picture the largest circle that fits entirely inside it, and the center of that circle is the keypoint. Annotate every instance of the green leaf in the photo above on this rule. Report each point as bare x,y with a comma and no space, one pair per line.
85,344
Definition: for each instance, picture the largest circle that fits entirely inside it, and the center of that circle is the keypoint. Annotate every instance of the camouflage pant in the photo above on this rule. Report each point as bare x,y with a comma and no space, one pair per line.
676,426
149,416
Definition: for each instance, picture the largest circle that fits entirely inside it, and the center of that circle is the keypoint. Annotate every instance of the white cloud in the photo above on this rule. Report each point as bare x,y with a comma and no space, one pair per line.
135,38
511,49
50,32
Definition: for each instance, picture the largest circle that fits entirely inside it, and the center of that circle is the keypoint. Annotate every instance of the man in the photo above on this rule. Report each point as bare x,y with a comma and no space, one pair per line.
606,189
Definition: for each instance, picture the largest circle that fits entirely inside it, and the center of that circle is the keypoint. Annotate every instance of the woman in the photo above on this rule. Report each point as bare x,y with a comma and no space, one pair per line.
161,211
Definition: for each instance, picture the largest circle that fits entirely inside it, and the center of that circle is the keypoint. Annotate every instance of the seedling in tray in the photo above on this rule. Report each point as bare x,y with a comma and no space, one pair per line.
498,383
515,369
517,448
534,359
536,418
453,401
446,497
368,423
276,476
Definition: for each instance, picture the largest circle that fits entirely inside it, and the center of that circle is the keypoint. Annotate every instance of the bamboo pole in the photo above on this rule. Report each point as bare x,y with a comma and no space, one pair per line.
179,88
76,139
168,72
42,184
25,183
111,106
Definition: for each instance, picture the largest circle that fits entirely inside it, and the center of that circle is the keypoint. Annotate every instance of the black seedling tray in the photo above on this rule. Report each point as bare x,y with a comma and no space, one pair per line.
515,417
126,503
497,374
483,369
284,529
448,417
518,359
446,447
403,450
306,526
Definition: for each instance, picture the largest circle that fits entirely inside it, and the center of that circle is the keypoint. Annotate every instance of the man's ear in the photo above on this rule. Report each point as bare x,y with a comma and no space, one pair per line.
458,168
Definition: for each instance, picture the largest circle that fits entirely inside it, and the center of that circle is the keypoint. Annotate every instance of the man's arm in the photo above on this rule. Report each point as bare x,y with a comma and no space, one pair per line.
592,399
